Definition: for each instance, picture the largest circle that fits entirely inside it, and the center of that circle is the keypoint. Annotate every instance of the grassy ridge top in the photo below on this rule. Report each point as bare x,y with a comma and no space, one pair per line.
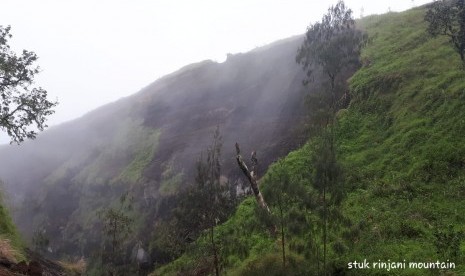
401,146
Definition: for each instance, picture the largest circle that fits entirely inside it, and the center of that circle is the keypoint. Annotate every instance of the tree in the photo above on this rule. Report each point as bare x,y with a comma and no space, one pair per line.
208,181
21,105
203,205
334,44
327,179
282,193
117,226
280,196
448,18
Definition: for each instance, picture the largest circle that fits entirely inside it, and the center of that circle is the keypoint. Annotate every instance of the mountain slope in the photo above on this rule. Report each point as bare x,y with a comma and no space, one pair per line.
147,144
400,144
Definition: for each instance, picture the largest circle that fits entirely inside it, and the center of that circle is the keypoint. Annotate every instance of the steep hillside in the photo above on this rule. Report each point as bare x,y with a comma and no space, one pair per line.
401,149
147,144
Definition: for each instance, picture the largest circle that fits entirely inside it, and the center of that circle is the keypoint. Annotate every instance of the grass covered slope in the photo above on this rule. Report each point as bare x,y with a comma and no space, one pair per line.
10,243
401,146
401,142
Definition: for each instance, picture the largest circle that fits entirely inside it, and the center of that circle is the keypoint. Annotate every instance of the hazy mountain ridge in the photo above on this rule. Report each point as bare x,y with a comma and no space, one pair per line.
148,142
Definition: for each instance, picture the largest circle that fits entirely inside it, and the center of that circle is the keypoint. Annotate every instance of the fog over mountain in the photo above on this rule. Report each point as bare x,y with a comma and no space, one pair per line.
148,143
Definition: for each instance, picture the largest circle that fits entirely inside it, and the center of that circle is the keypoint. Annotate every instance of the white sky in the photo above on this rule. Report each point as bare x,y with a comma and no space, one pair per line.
95,52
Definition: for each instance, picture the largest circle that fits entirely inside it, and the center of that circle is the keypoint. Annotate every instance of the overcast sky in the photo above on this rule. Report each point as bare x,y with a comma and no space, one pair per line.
95,52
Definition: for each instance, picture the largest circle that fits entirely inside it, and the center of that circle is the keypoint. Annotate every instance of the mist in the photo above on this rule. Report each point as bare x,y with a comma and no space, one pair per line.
148,143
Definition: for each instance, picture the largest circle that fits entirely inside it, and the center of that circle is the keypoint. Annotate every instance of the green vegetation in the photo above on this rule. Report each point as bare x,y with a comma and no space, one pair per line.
200,207
334,44
123,158
117,226
170,180
11,245
76,170
383,179
448,18
87,188
144,154
400,147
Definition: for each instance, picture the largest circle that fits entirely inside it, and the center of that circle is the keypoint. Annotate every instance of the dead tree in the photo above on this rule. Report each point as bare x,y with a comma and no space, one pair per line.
252,177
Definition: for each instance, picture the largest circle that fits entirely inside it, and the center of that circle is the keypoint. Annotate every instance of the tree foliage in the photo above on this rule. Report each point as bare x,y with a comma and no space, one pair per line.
448,18
117,226
327,170
328,182
21,104
283,194
334,44
209,201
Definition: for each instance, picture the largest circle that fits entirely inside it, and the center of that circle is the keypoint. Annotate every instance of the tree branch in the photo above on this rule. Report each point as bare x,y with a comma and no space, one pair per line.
251,176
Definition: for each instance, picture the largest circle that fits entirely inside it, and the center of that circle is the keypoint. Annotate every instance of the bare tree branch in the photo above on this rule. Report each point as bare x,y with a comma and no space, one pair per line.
251,176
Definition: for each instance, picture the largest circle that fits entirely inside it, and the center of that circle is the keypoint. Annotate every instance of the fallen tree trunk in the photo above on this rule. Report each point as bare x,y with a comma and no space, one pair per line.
252,177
